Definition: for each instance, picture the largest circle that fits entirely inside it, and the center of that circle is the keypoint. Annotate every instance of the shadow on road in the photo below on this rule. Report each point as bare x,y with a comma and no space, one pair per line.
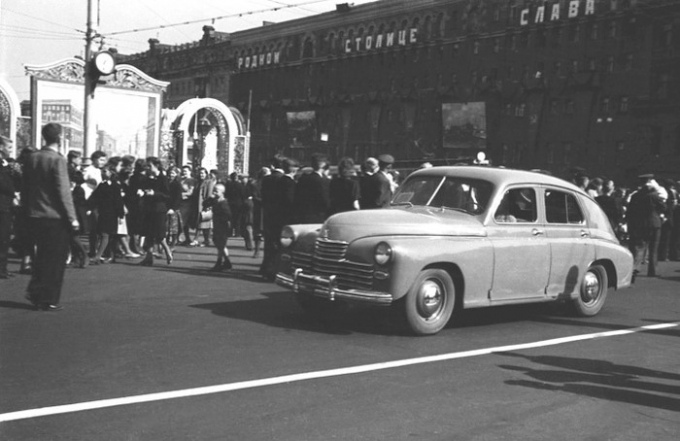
281,310
16,305
600,379
589,323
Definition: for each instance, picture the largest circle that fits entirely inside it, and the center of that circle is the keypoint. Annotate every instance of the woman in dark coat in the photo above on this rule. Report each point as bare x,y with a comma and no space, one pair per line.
155,194
344,188
108,201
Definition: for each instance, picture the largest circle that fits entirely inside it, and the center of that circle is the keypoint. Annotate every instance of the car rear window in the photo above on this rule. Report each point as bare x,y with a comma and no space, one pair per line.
562,208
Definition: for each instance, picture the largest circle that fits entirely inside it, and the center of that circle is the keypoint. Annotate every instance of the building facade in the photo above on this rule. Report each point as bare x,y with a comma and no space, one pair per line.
554,85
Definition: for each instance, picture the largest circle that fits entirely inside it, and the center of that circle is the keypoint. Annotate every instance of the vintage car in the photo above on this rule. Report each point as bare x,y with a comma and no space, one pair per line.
464,237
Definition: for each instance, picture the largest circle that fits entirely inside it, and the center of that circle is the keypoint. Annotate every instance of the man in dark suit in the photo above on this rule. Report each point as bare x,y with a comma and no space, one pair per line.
312,196
644,224
286,193
51,218
378,185
271,217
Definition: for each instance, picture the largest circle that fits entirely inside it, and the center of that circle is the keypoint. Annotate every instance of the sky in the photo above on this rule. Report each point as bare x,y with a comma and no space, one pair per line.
38,32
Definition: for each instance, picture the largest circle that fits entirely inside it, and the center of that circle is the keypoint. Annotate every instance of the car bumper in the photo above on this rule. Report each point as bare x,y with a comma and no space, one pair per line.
326,288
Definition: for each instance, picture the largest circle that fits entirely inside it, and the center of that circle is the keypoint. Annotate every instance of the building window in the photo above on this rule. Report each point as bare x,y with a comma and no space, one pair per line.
572,33
613,29
620,146
550,153
592,65
610,64
508,110
628,63
524,40
496,45
556,36
475,47
557,68
569,107
519,109
593,31
541,38
554,106
623,104
604,105
574,66
454,50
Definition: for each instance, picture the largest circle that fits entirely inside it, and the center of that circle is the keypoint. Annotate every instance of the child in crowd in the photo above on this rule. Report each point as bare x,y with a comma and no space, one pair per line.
221,217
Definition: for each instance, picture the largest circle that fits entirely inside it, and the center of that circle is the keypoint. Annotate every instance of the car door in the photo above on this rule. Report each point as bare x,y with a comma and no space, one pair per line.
521,251
571,249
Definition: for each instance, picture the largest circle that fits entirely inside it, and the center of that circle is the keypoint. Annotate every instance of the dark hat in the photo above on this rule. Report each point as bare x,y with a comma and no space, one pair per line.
386,159
646,176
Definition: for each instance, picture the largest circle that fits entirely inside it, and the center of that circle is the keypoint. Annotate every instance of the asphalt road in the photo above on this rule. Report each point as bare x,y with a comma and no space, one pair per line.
192,355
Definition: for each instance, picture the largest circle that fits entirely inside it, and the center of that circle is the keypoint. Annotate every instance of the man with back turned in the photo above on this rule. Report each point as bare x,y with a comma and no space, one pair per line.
51,218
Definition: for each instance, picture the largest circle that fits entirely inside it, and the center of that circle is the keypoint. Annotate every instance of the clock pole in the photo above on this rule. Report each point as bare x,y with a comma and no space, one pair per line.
89,128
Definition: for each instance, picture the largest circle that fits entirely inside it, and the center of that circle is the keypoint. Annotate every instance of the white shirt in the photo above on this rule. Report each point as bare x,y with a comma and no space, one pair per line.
93,177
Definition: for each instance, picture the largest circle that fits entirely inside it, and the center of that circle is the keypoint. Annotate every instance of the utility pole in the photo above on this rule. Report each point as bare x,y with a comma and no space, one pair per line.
89,129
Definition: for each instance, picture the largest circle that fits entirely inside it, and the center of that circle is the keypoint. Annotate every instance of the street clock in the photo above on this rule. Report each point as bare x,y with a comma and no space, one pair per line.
104,62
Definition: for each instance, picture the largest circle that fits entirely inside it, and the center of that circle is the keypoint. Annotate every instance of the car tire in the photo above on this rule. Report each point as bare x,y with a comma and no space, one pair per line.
593,292
429,303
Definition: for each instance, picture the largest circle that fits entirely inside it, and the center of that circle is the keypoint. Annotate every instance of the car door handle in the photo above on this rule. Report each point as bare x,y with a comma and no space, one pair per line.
584,233
537,232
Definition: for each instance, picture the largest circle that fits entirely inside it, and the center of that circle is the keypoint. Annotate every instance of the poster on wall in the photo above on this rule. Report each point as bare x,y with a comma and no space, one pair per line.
301,128
464,126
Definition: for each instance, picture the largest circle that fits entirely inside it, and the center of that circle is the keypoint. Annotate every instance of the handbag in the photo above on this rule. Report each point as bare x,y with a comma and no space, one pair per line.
206,215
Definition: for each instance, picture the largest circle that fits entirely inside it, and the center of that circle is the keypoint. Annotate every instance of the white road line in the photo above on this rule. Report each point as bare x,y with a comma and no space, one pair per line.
123,401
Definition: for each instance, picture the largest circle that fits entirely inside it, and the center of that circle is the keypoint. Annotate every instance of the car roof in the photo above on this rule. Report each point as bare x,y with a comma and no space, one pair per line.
497,176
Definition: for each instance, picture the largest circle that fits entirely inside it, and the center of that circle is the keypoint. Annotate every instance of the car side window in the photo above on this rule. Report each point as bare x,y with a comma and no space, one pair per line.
517,205
562,208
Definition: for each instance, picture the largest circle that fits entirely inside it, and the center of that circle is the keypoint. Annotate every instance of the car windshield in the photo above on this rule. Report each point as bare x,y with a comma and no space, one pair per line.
465,194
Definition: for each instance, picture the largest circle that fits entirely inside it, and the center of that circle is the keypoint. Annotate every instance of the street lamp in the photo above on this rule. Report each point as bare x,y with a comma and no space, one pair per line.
203,127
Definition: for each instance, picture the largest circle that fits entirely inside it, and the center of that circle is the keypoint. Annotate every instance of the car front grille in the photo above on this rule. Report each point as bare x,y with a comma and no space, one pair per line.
329,260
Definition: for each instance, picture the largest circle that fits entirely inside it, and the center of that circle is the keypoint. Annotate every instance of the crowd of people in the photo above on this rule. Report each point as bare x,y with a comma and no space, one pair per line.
130,208
646,218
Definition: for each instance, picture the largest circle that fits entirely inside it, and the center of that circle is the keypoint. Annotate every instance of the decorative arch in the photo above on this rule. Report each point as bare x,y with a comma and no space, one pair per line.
10,110
231,132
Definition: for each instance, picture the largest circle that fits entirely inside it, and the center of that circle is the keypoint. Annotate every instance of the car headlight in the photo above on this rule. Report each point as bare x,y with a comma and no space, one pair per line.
288,236
382,253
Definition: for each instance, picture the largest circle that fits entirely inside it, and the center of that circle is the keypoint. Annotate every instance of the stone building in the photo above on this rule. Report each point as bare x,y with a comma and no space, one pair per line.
553,85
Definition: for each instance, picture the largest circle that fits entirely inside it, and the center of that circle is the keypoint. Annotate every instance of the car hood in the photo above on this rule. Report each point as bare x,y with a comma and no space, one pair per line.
402,221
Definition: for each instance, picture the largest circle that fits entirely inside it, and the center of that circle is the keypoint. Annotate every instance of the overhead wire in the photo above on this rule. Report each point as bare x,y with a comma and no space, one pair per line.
213,19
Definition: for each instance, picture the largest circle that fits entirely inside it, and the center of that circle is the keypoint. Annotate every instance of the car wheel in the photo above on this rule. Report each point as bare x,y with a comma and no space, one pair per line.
593,292
429,303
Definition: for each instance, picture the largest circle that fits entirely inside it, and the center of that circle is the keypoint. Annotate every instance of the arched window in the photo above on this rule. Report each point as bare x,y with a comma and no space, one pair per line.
308,48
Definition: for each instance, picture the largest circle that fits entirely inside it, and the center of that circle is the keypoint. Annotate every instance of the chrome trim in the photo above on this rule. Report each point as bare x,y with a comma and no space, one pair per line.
327,288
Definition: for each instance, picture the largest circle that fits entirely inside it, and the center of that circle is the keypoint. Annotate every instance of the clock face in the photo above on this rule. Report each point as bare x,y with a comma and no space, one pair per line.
104,62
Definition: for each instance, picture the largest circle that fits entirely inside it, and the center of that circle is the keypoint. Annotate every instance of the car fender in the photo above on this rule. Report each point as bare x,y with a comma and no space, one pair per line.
471,256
